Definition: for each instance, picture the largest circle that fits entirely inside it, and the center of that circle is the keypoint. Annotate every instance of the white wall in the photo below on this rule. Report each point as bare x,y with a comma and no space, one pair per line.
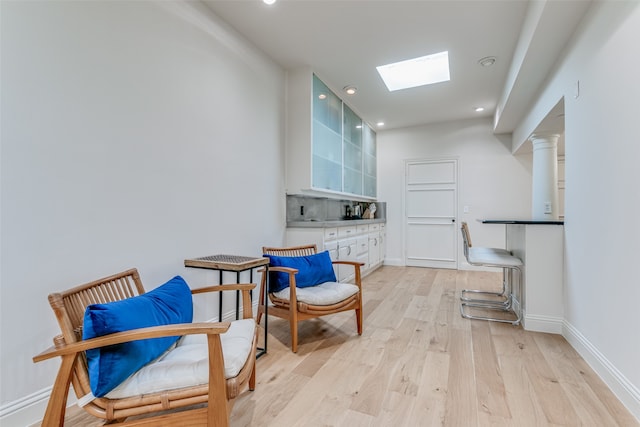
134,134
491,181
602,200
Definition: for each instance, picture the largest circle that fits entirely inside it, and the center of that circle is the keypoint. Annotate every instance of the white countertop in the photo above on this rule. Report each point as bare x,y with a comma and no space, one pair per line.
333,223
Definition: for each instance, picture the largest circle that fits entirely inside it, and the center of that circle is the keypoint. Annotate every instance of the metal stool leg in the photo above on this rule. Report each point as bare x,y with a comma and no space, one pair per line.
507,306
502,295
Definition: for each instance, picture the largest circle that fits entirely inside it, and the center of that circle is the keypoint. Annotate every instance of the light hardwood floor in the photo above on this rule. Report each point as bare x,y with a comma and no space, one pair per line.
419,363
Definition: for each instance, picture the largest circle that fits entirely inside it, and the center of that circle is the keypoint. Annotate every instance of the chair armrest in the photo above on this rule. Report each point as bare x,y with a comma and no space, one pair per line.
356,266
293,299
283,270
354,263
134,335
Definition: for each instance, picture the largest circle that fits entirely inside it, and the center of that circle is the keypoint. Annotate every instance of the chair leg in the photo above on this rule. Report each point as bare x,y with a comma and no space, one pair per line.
252,378
293,323
261,309
294,337
54,415
260,312
359,317
294,334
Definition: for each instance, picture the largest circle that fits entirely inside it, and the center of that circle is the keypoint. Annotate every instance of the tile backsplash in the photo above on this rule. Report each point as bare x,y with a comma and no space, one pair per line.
309,208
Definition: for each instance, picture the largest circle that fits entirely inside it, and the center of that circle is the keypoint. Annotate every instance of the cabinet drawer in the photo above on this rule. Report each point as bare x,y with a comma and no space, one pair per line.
346,231
374,227
363,228
331,233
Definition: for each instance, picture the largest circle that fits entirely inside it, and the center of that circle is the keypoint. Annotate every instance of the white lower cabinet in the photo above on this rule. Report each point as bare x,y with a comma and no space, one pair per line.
382,247
374,249
376,253
346,252
362,254
363,243
332,247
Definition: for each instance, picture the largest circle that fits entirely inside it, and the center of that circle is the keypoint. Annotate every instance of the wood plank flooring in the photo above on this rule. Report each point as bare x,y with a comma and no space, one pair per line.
419,363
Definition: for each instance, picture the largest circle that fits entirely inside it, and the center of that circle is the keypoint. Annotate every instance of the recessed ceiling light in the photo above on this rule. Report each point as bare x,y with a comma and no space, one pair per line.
350,90
479,109
269,1
380,124
416,72
487,61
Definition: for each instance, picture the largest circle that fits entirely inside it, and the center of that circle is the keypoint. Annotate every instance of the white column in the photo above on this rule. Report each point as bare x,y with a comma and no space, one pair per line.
545,176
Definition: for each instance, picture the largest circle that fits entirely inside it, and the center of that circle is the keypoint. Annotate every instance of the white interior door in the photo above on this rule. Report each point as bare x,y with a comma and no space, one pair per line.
430,213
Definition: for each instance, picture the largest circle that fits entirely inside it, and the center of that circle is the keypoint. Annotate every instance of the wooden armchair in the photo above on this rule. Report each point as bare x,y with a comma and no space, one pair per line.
297,304
218,394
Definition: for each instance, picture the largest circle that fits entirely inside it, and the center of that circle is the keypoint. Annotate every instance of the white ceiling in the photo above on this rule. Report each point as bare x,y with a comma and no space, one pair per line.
344,40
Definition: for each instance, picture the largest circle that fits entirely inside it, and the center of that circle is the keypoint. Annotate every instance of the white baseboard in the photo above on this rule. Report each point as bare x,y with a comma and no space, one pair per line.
624,390
396,262
26,411
538,323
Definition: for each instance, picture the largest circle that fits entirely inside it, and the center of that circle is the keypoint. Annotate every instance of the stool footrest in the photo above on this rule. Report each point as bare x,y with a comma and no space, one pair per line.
506,308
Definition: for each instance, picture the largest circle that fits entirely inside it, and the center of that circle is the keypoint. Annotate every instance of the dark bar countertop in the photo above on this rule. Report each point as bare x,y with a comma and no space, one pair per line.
522,221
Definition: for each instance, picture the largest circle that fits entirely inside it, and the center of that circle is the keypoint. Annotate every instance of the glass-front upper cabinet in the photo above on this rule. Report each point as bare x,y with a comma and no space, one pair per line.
327,138
369,161
352,150
329,149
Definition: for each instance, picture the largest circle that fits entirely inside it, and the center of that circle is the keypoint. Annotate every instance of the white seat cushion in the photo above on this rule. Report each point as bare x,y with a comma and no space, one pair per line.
187,364
482,249
324,294
492,258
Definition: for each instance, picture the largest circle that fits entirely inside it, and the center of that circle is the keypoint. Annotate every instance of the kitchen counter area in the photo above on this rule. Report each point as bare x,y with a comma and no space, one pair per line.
540,246
351,230
333,223
304,211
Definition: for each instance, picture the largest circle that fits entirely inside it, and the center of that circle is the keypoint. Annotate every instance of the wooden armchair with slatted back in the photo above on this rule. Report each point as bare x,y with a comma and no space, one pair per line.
297,304
217,388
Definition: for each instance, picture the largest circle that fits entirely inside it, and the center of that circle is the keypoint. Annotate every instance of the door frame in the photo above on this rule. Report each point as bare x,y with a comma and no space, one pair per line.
406,163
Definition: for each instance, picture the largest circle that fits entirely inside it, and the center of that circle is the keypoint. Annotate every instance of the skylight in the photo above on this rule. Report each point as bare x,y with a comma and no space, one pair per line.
415,72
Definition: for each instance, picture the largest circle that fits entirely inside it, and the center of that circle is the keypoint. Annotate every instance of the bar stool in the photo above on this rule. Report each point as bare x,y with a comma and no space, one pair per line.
493,300
478,253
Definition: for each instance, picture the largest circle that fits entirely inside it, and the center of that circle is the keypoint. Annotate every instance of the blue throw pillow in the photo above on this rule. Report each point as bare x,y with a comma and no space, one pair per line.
312,270
170,303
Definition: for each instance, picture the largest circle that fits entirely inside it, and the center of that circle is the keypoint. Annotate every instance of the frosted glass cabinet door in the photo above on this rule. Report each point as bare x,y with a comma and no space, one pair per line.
369,160
327,138
352,146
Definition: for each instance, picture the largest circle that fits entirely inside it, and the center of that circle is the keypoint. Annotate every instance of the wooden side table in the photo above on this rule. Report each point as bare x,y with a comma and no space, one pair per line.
237,264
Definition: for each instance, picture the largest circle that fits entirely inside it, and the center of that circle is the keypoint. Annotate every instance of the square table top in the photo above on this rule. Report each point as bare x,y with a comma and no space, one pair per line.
226,262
